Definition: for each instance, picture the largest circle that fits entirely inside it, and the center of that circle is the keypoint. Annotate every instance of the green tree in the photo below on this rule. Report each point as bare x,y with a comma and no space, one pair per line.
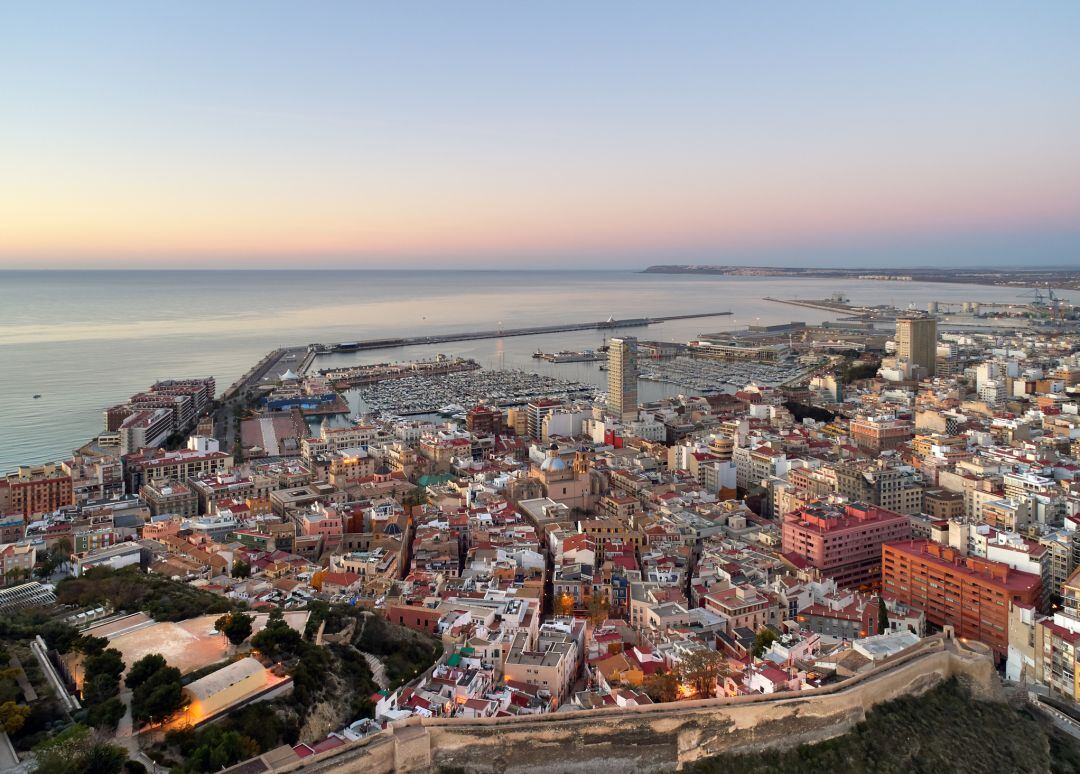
214,748
107,662
241,569
157,691
99,688
104,759
763,640
235,626
90,645
277,640
106,715
101,676
159,697
143,669
13,716
882,616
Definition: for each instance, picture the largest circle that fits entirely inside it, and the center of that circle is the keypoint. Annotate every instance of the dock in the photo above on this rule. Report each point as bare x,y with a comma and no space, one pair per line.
359,376
499,333
565,356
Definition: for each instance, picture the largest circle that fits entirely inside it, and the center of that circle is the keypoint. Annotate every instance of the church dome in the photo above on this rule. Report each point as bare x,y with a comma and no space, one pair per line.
553,465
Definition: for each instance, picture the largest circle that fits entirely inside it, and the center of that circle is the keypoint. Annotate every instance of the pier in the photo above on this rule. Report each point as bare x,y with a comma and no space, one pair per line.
499,333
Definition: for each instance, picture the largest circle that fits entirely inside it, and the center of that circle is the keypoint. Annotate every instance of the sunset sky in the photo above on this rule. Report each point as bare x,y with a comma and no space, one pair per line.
533,135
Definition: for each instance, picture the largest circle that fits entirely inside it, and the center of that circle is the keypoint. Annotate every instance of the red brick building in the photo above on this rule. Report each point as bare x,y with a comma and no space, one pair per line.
35,490
970,594
843,541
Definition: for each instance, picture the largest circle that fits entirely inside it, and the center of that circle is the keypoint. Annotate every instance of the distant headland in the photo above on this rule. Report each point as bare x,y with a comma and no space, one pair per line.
1059,278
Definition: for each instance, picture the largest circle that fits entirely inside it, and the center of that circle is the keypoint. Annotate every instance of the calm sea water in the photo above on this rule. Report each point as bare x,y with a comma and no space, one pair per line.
87,340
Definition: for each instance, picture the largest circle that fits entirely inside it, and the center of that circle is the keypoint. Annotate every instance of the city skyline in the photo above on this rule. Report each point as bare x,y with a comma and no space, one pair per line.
608,135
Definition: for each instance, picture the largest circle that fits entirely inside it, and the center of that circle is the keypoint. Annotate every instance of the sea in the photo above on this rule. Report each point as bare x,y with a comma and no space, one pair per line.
85,340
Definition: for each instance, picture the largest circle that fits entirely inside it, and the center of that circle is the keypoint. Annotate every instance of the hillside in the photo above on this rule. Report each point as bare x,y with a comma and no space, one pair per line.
945,731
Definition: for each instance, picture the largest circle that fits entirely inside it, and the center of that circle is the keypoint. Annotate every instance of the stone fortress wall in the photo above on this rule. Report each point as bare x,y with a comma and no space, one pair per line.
659,737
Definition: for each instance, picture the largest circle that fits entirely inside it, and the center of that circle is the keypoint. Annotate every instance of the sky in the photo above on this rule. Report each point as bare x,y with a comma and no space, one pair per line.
533,135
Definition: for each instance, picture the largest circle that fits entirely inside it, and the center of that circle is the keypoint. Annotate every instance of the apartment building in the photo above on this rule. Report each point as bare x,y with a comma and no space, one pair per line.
35,490
972,595
843,542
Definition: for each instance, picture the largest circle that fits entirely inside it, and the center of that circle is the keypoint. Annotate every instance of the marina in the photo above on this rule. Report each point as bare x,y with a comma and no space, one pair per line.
429,394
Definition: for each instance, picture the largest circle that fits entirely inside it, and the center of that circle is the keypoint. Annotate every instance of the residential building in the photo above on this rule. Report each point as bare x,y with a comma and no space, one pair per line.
970,594
843,542
32,491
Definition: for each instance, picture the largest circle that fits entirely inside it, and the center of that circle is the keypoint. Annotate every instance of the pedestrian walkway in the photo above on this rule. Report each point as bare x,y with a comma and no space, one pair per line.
378,670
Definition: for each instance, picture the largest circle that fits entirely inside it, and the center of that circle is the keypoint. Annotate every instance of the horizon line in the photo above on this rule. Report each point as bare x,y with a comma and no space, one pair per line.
427,269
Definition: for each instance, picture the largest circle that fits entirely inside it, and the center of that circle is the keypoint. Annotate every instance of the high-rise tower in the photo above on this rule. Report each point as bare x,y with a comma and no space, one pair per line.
916,342
622,377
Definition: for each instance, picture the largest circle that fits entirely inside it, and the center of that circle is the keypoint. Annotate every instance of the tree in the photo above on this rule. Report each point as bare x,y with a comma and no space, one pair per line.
53,558
101,676
143,669
74,751
12,716
62,548
882,616
241,569
763,640
156,688
90,645
701,670
662,686
99,688
106,715
235,626
219,748
599,609
107,662
159,697
277,640
104,759
564,604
